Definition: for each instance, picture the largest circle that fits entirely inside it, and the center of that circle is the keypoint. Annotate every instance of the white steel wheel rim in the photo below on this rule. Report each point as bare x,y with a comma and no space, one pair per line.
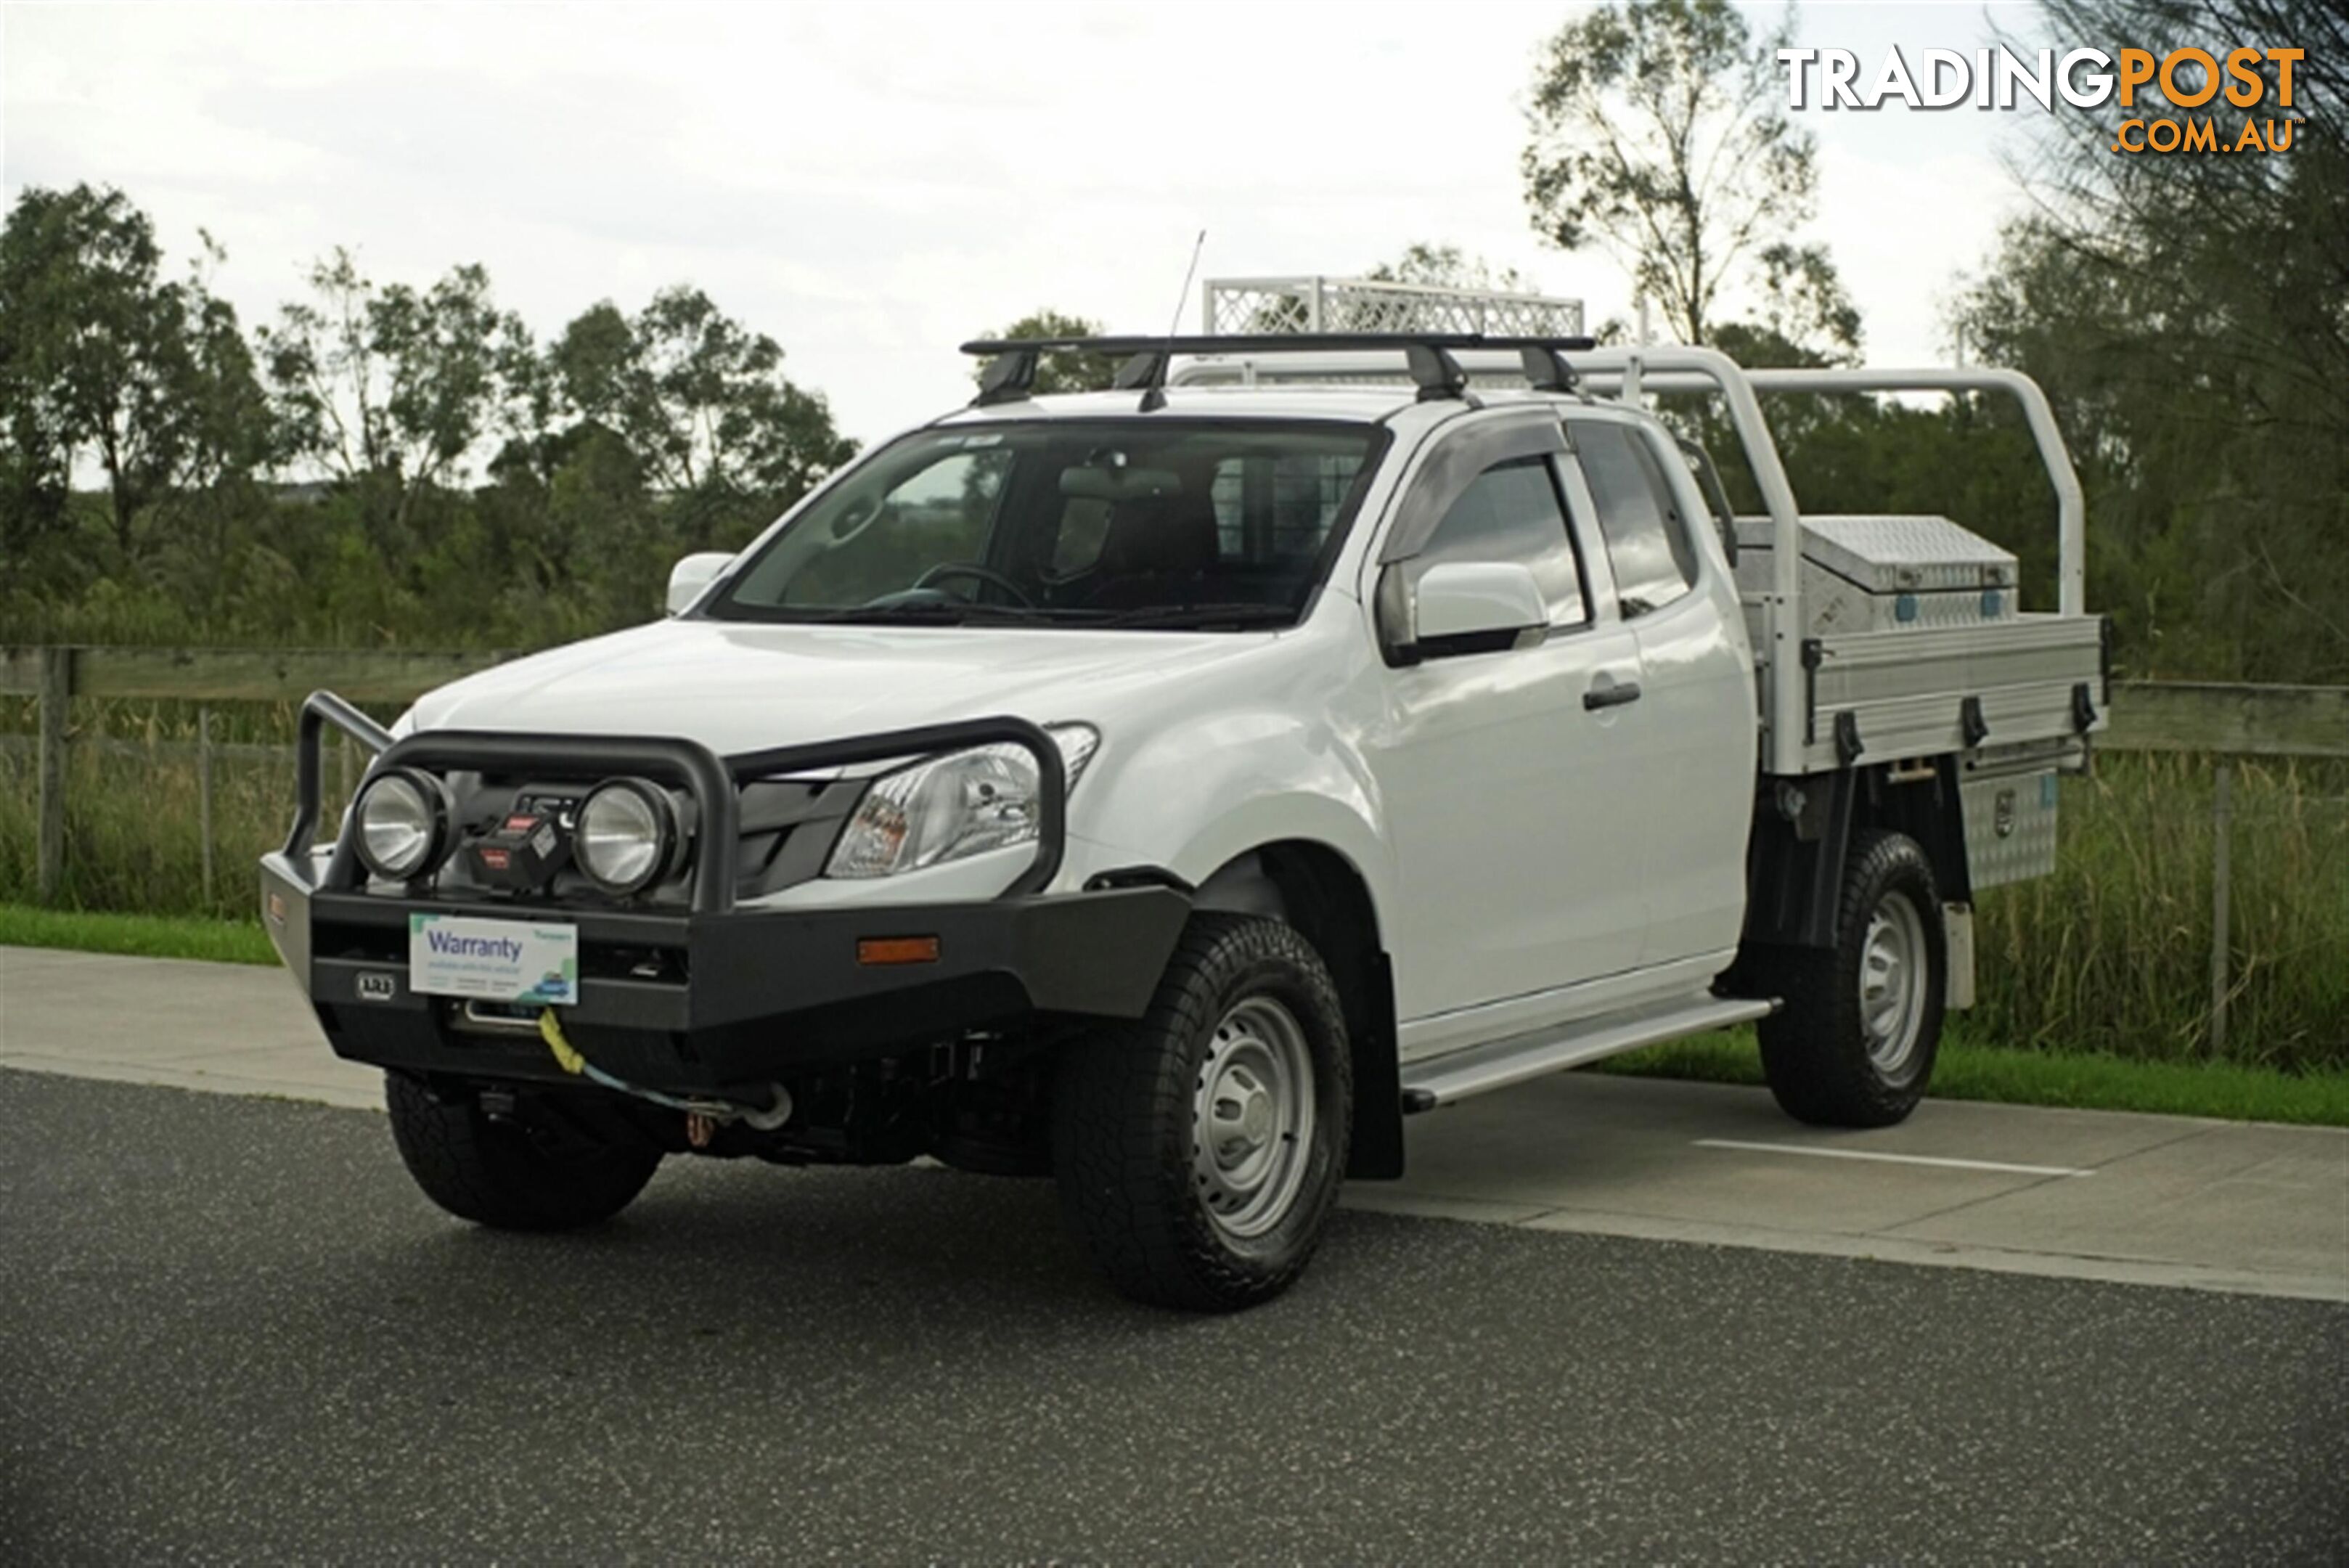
1252,1118
1892,977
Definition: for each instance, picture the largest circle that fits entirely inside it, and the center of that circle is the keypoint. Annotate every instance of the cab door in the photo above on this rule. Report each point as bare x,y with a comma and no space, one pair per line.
1512,795
1692,753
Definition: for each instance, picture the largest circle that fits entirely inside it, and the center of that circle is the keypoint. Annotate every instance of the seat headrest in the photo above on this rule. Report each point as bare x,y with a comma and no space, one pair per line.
1160,535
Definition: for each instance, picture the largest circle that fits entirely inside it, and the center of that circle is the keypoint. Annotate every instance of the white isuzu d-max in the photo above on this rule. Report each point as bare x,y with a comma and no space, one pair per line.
1172,788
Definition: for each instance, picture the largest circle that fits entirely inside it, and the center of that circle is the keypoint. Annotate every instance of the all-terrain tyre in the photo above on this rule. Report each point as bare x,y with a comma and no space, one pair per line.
498,1173
1854,1044
1198,1150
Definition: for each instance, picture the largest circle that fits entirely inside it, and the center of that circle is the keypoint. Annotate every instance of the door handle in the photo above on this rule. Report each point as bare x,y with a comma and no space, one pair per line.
1613,696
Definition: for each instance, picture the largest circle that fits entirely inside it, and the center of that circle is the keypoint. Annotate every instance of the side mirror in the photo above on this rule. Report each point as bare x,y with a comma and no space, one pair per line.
695,572
1470,606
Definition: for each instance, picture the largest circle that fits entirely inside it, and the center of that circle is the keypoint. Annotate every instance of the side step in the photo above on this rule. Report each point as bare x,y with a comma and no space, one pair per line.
1456,1074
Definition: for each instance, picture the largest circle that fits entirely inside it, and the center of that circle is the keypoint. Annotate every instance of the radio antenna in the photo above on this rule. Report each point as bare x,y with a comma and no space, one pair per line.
1149,370
1189,273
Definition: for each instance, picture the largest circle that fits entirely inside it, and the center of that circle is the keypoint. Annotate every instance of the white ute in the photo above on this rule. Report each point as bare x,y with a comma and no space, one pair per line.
1172,788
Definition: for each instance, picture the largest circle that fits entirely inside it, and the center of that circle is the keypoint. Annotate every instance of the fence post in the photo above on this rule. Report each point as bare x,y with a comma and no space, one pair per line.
56,697
205,794
2223,811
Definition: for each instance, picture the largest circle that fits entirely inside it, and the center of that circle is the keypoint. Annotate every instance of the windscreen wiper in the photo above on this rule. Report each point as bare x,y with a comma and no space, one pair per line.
939,612
1200,617
928,612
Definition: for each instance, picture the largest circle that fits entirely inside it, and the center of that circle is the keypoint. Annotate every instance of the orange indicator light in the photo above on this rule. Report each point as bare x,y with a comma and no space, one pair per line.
897,950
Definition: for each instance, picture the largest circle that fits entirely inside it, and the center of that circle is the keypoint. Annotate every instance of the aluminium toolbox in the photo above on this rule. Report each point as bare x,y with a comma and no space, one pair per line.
1887,572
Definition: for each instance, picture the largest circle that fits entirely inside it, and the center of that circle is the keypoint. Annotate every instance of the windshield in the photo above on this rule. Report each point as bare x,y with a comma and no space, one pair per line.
1134,522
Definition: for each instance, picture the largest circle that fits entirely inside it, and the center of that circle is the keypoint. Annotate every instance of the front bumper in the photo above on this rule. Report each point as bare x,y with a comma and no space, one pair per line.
711,1000
727,1002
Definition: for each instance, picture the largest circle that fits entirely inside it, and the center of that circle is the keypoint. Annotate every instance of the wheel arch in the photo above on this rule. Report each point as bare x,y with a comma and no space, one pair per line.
1321,891
1804,830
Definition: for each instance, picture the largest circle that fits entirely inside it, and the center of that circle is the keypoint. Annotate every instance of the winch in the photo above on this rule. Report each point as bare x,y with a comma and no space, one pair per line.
523,850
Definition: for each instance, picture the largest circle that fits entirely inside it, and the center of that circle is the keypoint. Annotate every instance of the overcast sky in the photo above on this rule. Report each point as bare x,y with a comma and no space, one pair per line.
870,184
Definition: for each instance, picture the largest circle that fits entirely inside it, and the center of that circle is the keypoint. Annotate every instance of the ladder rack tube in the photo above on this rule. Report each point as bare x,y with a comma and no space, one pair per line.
2071,505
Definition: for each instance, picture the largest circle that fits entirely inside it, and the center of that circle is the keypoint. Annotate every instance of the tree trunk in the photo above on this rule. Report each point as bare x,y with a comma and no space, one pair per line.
119,494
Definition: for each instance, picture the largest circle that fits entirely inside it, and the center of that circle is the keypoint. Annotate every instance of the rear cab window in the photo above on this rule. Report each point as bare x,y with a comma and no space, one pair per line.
1639,518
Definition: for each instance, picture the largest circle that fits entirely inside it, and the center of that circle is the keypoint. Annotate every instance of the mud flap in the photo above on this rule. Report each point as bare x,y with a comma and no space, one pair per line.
1957,946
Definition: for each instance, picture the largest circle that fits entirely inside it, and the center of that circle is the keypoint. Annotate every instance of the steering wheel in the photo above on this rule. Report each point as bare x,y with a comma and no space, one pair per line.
973,570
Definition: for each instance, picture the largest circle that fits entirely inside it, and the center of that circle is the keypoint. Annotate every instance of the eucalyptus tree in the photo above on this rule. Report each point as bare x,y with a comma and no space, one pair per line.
389,388
700,399
107,364
1657,134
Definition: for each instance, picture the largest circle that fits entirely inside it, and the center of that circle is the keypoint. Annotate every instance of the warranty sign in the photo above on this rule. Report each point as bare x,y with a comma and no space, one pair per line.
492,960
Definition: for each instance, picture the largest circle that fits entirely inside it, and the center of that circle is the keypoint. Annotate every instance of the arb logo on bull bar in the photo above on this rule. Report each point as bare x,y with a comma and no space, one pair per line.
2245,79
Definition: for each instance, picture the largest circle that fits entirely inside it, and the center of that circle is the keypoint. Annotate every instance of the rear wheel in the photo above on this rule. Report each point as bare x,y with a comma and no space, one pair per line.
505,1174
1199,1150
1855,1042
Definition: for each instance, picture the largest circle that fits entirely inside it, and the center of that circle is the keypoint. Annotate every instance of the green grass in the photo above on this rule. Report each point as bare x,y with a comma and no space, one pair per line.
146,936
2075,1080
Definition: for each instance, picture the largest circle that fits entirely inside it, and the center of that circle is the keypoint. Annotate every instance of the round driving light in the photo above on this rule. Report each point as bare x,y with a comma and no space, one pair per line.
627,835
403,822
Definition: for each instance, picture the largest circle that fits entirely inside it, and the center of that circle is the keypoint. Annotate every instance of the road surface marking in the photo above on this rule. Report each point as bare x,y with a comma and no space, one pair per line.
1893,1158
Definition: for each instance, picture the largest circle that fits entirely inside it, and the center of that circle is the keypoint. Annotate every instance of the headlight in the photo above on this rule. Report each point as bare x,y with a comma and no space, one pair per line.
403,821
953,807
627,835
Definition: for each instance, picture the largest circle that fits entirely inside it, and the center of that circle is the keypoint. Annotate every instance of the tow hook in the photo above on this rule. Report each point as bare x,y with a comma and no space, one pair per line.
777,1112
702,1125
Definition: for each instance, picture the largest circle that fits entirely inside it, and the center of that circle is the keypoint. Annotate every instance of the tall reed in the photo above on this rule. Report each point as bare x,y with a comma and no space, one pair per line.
2113,952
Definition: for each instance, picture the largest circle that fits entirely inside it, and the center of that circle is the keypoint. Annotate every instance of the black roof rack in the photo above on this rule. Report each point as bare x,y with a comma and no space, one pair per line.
1010,373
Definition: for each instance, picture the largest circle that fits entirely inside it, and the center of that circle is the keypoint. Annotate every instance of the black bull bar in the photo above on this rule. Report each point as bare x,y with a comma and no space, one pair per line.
712,997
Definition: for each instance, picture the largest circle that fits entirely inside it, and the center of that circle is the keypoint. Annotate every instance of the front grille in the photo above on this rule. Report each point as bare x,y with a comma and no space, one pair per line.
788,830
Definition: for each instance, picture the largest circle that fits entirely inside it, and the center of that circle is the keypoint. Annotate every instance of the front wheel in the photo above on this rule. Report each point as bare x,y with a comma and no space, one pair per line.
1853,1044
504,1174
1199,1150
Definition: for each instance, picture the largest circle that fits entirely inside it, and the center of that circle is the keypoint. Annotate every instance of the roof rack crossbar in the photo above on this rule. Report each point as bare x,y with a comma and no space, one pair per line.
1010,374
1270,343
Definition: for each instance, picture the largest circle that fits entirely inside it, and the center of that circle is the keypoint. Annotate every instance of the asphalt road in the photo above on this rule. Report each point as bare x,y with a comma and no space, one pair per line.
2097,1195
229,1328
